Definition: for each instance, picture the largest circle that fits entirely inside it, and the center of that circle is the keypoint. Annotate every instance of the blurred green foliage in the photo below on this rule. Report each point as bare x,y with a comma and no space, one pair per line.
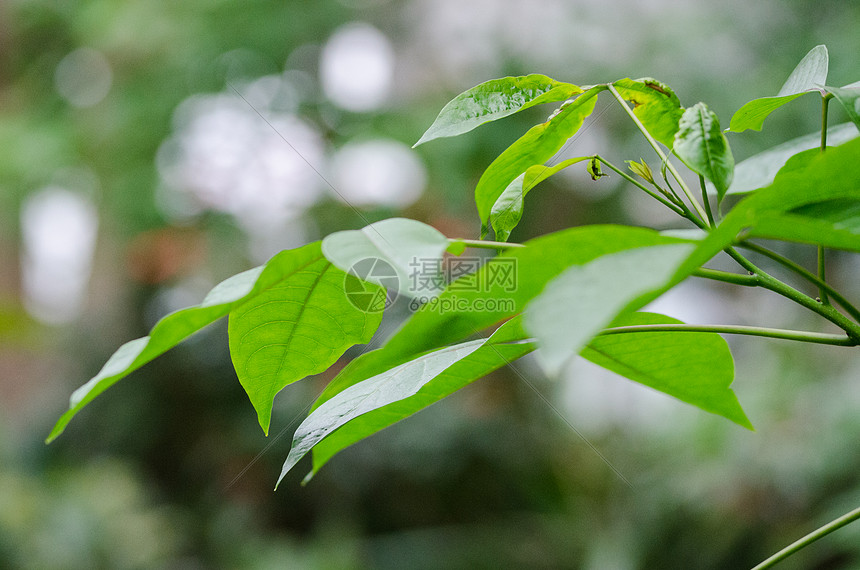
164,472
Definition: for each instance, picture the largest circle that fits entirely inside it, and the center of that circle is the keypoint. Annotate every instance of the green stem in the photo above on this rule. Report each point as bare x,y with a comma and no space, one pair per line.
808,275
802,336
485,244
810,538
725,276
659,152
662,199
822,292
698,222
706,201
669,183
777,286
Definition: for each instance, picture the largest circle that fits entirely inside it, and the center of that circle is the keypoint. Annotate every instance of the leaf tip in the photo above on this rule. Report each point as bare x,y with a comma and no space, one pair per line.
308,477
742,419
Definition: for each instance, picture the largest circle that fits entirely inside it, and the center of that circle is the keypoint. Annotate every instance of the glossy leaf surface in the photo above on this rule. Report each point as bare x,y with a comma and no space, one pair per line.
494,100
296,328
695,367
535,147
703,147
378,402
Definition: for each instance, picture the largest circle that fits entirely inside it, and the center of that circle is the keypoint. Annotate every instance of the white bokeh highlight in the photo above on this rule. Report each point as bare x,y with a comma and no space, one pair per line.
357,68
59,230
378,173
83,77
260,166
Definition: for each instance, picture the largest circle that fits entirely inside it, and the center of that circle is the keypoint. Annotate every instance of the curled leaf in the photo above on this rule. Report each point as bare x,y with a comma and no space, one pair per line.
641,169
703,147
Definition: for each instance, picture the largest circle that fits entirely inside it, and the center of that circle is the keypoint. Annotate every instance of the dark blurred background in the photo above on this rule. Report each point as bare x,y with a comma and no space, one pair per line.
143,161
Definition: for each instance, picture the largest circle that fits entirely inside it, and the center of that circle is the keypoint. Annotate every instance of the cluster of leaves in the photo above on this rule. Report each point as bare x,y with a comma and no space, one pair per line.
579,291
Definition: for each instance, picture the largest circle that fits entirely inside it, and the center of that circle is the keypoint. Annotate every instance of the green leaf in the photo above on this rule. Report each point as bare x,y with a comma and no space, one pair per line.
655,104
378,402
177,326
832,223
753,114
296,328
759,170
811,177
803,203
533,266
392,251
843,214
702,146
849,98
535,147
809,76
694,367
575,306
508,208
493,100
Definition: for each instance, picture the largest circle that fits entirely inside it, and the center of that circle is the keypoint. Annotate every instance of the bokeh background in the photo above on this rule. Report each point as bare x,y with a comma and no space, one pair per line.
151,149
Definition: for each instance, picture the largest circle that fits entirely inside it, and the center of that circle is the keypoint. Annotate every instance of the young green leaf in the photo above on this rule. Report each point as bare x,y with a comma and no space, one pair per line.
401,245
849,98
694,367
177,326
655,104
537,146
493,100
759,170
575,306
752,115
297,328
378,402
508,209
641,169
702,146
809,76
